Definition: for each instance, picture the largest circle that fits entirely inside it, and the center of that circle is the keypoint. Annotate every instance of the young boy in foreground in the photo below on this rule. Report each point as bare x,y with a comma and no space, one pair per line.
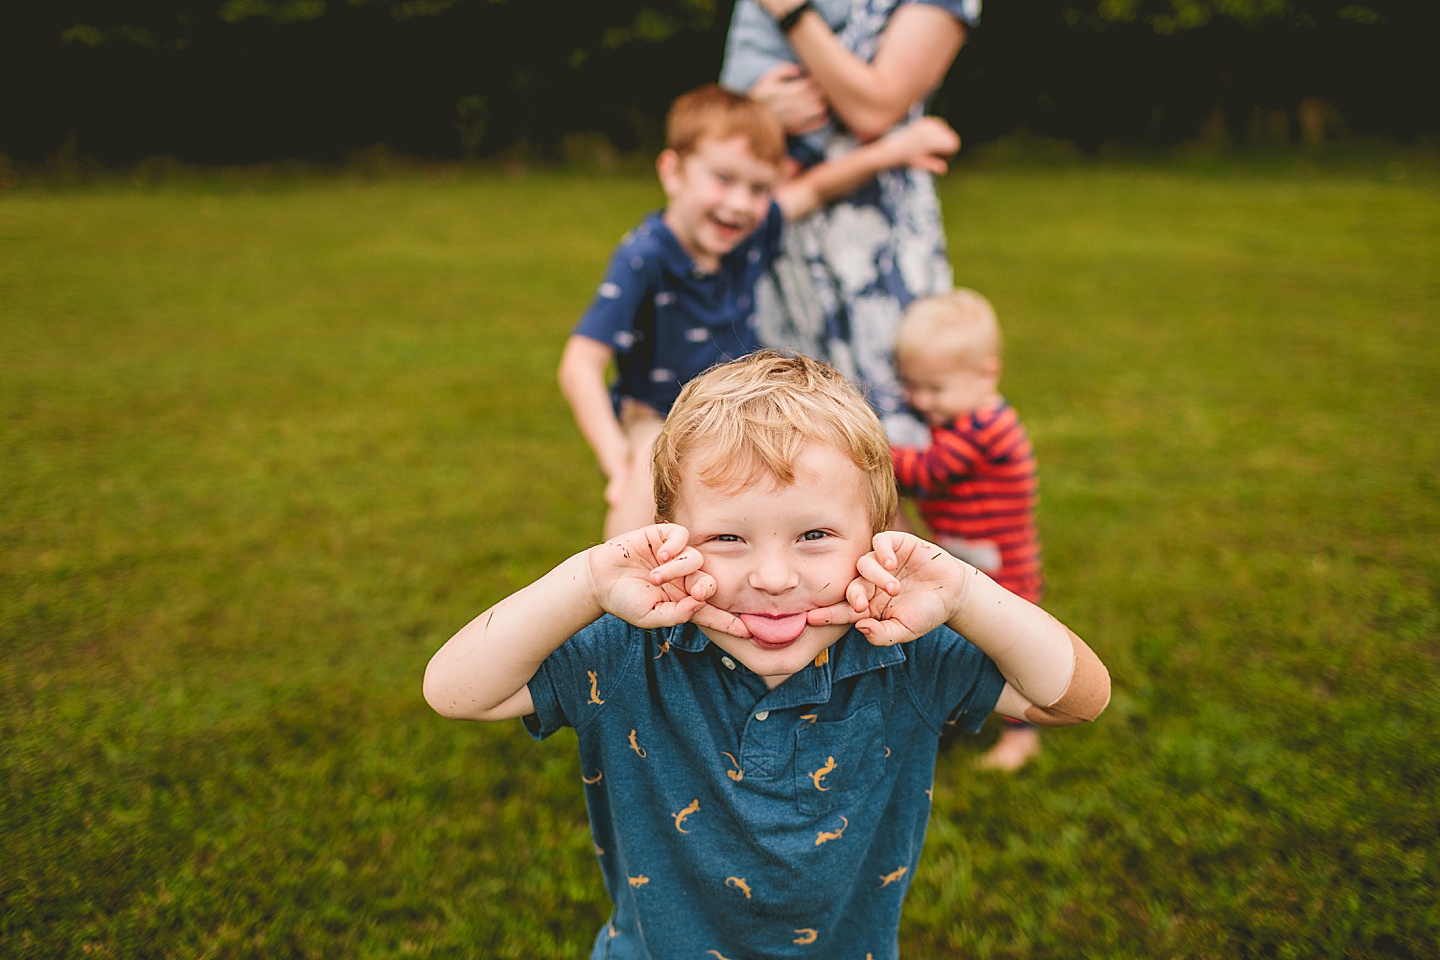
759,681
975,484
679,294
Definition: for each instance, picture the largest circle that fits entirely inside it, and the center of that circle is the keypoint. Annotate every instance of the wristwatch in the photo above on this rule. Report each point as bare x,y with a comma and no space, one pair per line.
787,22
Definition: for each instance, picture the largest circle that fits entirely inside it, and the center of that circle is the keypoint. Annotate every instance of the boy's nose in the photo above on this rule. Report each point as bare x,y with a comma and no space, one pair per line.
738,197
773,573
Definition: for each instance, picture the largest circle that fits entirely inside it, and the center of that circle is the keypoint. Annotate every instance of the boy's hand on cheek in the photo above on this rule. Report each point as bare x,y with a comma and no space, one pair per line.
906,587
860,596
855,606
650,577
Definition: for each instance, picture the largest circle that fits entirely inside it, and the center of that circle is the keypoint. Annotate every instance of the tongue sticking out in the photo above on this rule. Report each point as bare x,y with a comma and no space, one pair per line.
774,631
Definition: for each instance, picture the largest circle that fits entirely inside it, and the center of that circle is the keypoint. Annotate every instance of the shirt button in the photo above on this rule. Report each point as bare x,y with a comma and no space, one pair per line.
762,714
729,664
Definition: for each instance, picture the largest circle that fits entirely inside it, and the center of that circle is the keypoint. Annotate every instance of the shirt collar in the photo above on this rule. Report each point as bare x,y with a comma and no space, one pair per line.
673,257
852,655
687,637
849,656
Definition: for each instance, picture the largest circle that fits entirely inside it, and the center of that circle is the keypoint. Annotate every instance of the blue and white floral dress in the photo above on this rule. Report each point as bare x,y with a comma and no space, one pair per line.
848,270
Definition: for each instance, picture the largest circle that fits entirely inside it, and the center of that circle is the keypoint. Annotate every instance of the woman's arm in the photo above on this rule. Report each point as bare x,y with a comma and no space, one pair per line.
916,50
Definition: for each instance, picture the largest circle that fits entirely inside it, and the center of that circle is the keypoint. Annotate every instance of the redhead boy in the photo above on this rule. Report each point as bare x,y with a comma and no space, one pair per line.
759,681
679,293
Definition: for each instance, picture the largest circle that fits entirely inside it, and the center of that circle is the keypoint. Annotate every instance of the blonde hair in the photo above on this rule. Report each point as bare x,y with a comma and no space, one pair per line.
749,419
712,111
959,325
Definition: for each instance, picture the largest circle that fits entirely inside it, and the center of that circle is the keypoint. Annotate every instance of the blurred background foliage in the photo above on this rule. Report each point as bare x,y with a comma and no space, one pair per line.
113,82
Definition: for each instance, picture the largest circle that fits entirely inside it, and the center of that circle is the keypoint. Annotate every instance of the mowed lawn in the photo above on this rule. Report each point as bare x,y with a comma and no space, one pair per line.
265,444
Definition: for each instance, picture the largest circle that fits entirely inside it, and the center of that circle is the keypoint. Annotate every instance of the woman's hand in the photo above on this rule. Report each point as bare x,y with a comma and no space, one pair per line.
789,93
778,8
916,49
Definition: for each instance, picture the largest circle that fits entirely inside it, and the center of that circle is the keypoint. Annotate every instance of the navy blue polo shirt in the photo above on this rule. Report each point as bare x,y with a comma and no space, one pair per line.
667,320
750,822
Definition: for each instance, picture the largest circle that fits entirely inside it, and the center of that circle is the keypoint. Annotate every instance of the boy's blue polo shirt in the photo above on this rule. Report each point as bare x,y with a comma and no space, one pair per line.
750,822
668,321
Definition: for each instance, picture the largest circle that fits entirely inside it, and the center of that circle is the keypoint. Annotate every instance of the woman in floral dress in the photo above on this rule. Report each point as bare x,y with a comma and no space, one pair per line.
838,73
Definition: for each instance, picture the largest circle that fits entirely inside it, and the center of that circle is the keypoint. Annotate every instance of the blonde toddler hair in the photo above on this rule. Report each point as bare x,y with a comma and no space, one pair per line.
959,325
714,112
746,421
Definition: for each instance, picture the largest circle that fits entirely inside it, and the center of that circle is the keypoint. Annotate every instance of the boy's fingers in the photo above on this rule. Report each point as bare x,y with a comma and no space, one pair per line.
716,619
860,594
884,633
687,562
884,546
841,612
674,540
871,567
703,586
682,609
666,613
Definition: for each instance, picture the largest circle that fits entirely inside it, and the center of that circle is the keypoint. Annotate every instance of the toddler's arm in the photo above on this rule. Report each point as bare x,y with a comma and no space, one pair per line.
923,144
950,458
649,577
907,587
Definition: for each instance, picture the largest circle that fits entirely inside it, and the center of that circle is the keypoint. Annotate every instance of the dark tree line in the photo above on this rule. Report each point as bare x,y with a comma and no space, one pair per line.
248,80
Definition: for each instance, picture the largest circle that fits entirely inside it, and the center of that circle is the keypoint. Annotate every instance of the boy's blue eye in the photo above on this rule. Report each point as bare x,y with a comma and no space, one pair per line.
727,538
814,535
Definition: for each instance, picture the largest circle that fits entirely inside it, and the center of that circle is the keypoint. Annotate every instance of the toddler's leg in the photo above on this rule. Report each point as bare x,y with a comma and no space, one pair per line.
1019,742
636,506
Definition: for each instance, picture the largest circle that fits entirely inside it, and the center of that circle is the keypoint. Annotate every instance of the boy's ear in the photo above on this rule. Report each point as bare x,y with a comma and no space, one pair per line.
668,165
991,370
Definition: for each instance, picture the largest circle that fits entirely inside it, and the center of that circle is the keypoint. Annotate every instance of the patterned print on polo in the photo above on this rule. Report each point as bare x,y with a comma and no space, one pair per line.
694,807
825,836
736,773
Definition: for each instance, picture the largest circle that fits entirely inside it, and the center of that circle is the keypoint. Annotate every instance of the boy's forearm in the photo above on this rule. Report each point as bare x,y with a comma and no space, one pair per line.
1059,677
602,431
495,655
836,178
582,381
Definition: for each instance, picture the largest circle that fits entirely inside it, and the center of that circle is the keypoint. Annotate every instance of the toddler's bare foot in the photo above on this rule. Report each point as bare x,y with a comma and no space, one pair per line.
1015,748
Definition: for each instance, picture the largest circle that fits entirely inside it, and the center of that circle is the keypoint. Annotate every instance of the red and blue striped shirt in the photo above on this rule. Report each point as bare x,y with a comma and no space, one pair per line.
977,483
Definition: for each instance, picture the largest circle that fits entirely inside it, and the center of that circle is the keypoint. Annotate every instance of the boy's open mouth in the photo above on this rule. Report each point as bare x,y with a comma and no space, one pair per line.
727,225
774,632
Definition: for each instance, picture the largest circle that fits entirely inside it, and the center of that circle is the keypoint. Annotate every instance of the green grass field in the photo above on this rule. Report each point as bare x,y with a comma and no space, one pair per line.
266,444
